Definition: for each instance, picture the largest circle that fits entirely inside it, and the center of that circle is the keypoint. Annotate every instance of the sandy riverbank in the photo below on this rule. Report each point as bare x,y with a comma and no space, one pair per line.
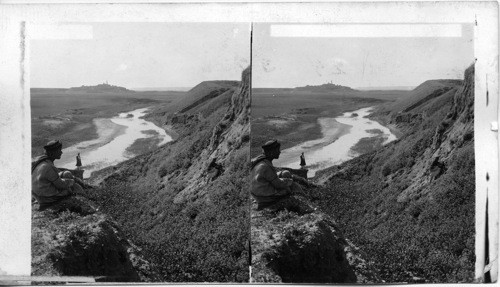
106,131
119,139
340,135
169,129
331,131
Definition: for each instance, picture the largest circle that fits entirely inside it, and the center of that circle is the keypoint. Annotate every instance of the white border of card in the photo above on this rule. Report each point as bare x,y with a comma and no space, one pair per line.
18,22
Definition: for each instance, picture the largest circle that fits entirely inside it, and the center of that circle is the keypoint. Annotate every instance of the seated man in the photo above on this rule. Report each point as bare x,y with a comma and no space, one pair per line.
47,186
266,186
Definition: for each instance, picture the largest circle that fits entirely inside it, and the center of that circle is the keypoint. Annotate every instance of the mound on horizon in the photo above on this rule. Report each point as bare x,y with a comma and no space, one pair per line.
100,88
329,87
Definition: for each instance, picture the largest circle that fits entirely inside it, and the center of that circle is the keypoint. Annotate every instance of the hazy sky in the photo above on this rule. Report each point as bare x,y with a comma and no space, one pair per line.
136,55
358,61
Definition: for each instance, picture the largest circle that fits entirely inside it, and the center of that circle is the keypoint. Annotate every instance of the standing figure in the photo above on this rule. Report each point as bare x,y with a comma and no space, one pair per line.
302,161
78,161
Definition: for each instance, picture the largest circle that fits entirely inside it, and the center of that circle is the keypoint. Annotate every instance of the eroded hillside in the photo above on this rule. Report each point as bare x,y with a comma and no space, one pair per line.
186,203
177,213
410,205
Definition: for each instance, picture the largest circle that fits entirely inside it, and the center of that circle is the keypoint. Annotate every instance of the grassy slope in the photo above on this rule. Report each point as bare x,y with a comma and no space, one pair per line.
205,237
388,203
203,240
196,95
422,91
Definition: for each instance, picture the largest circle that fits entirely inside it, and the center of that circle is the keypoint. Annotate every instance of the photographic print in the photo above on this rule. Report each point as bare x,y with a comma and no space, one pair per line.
140,142
362,149
271,142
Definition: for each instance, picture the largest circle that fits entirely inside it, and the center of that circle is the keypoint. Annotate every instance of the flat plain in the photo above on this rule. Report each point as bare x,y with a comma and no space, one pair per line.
68,115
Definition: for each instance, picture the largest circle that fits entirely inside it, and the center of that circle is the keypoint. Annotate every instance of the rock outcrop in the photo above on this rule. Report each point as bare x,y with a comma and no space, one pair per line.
293,242
74,239
229,134
455,130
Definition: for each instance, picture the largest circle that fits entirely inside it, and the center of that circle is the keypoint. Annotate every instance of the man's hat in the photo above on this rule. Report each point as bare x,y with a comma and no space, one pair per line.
53,145
271,145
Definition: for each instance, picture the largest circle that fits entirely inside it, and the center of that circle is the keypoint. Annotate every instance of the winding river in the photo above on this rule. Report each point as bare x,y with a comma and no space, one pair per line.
115,137
340,135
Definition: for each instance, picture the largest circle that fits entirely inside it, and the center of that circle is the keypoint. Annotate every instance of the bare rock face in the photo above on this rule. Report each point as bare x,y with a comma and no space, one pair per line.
452,133
74,239
228,135
294,243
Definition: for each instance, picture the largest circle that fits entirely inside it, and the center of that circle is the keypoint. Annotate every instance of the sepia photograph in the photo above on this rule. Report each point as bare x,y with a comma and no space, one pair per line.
140,141
362,148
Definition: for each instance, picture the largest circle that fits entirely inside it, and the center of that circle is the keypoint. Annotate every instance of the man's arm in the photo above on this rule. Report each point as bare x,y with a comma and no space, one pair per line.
275,181
57,181
63,183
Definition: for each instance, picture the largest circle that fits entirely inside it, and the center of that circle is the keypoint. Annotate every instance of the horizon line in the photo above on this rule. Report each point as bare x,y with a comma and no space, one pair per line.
363,87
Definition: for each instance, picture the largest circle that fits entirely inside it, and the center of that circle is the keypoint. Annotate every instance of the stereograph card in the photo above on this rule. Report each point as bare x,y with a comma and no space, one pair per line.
233,142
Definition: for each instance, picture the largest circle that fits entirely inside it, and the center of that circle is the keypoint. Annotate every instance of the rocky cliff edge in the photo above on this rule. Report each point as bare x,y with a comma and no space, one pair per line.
293,242
78,240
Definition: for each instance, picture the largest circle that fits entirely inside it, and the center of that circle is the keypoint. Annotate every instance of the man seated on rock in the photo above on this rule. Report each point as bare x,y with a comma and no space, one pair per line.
49,185
267,186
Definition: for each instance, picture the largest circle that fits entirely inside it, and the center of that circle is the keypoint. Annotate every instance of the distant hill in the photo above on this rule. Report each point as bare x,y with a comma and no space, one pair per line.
325,88
389,88
271,90
423,93
202,92
101,88
162,89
